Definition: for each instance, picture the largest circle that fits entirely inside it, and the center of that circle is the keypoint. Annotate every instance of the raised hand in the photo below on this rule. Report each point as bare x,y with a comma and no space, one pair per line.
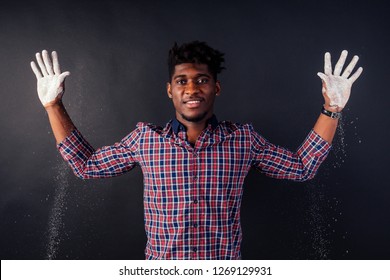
336,87
50,80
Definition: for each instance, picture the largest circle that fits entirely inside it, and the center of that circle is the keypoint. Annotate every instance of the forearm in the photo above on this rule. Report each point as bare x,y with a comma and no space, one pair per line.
60,121
108,161
281,163
326,127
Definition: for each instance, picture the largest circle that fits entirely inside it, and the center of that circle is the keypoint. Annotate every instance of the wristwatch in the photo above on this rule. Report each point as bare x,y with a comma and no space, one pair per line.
333,115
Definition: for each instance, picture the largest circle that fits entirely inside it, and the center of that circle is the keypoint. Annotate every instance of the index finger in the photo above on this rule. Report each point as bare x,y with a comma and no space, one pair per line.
56,64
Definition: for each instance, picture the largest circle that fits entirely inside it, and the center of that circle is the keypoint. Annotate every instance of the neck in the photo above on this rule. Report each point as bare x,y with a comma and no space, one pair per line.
194,129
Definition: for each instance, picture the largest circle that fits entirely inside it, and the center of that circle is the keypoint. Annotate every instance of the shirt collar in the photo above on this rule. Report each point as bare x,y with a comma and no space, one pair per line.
178,126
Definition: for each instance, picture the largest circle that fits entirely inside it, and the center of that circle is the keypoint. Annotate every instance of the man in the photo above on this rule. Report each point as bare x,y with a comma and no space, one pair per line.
194,167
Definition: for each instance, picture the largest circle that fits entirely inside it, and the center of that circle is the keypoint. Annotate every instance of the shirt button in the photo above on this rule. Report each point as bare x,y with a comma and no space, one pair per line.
194,249
195,201
195,225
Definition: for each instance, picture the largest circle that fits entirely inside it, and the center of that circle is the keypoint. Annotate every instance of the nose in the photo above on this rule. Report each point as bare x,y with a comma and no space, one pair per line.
191,88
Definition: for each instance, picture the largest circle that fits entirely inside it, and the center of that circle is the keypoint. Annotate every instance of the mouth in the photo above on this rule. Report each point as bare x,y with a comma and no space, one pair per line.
193,103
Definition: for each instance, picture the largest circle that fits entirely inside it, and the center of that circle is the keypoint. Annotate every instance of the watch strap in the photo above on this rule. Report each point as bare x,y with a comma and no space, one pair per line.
333,115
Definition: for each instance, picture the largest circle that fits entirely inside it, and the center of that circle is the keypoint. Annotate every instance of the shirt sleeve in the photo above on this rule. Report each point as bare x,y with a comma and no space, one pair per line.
280,163
108,161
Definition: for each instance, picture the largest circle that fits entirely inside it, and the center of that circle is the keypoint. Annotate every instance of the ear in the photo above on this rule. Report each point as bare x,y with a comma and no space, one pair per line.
217,88
169,90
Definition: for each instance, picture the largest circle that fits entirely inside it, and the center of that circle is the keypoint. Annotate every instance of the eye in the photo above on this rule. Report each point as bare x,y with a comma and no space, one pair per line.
202,81
181,82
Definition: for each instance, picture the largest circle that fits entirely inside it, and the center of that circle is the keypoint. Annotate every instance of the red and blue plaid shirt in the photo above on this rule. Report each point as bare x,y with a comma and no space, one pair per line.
192,193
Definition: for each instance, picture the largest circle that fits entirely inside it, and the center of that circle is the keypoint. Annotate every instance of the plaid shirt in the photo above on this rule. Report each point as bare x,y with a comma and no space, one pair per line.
192,194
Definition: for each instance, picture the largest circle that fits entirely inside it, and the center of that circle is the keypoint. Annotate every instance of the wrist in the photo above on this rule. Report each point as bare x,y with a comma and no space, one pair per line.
54,105
332,108
332,114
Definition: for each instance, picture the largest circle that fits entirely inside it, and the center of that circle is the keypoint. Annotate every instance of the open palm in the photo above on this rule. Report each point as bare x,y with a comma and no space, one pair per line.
50,80
336,86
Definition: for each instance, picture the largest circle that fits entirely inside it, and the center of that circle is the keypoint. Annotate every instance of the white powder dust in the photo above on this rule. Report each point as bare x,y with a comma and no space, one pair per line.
55,226
324,210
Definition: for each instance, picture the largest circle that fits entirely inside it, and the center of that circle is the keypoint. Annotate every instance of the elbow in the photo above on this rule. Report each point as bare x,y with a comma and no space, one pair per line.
79,174
80,171
307,170
305,178
305,175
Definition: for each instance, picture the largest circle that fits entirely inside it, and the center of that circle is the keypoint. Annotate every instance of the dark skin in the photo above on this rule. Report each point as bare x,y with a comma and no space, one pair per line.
193,90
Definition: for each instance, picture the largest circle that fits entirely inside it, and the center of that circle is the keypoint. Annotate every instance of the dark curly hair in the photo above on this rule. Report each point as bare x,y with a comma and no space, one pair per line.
195,52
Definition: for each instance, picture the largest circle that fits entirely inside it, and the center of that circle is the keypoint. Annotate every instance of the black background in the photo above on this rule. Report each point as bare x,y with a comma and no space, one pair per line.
116,52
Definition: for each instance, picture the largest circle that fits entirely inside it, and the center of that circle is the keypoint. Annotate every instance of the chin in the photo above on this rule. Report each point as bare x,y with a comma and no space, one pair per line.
194,118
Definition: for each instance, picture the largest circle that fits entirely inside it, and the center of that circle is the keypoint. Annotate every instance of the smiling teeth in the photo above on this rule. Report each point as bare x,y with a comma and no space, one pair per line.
193,102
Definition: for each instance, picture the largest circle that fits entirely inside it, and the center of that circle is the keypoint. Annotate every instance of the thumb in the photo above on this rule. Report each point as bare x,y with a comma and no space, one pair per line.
322,76
324,79
62,77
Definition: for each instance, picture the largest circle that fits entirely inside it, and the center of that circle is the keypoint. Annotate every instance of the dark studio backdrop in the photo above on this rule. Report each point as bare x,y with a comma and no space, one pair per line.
116,52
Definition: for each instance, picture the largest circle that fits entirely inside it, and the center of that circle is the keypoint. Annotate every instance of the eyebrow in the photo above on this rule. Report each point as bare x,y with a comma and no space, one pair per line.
197,76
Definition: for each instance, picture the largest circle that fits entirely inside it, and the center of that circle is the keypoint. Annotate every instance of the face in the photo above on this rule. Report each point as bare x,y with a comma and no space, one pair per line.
193,91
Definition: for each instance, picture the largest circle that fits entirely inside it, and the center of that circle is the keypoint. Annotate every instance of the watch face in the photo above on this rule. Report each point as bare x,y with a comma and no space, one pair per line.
334,115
